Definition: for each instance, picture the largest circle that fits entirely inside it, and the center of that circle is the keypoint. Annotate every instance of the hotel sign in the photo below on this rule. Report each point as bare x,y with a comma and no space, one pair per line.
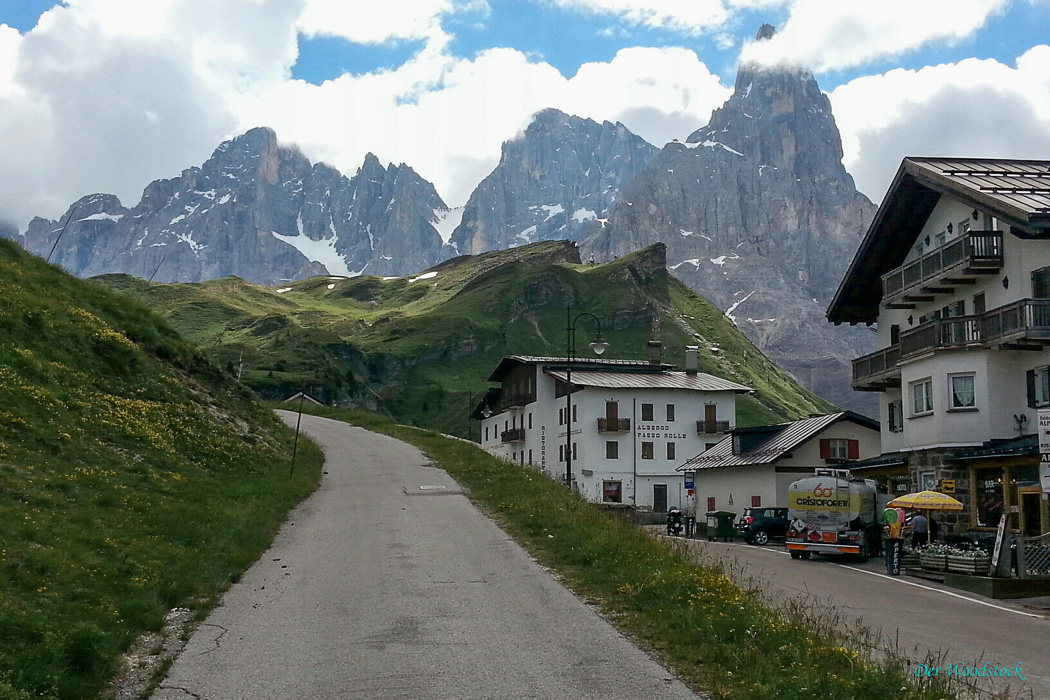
1044,449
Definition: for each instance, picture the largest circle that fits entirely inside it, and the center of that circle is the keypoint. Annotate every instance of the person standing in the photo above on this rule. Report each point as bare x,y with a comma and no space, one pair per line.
920,531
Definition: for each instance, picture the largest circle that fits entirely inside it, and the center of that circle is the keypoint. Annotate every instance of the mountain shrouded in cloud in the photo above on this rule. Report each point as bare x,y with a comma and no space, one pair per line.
760,217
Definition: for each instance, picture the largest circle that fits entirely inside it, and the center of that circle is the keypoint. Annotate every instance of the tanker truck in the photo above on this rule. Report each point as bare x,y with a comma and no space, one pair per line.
833,513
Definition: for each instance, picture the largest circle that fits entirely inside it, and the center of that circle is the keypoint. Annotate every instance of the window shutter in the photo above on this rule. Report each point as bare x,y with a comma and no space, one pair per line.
1029,378
854,449
825,448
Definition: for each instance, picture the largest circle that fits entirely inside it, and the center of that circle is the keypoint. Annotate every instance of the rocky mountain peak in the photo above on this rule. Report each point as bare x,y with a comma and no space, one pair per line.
766,31
563,174
778,116
760,217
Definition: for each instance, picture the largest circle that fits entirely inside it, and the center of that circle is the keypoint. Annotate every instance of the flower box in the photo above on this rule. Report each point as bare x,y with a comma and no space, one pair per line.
933,561
975,566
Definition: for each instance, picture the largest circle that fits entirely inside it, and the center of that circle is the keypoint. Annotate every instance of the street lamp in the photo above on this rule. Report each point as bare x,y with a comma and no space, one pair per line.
598,345
485,413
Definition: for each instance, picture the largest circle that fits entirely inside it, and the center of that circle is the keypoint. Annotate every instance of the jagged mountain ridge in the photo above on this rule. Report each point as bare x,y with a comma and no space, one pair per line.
257,210
564,172
761,218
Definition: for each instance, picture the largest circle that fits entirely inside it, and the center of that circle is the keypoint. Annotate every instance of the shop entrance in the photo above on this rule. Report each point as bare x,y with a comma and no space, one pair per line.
1030,525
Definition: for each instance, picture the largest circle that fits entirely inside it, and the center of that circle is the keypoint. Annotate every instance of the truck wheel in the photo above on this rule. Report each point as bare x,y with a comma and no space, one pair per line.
761,537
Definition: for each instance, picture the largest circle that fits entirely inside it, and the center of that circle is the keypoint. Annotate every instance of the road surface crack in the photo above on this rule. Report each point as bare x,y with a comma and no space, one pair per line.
185,690
218,640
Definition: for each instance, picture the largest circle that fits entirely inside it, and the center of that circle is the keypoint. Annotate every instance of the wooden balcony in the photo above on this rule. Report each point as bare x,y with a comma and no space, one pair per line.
955,263
614,425
508,401
878,371
512,435
710,427
1021,325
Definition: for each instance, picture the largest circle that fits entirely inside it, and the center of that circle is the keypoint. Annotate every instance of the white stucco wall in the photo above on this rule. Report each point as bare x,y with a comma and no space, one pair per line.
999,375
590,466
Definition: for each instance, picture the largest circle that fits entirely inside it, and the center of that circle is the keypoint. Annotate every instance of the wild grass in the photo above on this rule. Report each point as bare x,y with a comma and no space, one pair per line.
135,477
720,638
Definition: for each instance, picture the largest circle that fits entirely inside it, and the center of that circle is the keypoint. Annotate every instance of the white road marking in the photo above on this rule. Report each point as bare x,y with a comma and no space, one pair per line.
938,590
918,585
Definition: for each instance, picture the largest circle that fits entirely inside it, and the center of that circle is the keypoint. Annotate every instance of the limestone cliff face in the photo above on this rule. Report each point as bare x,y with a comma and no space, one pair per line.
259,211
564,173
759,216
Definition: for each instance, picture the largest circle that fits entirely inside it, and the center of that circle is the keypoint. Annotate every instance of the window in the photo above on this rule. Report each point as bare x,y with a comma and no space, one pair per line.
647,450
530,421
710,503
990,493
612,492
756,501
964,227
709,445
1038,380
962,392
922,397
530,457
647,412
574,450
670,412
670,450
612,450
895,422
839,449
561,453
941,238
561,416
486,433
979,306
1041,283
574,420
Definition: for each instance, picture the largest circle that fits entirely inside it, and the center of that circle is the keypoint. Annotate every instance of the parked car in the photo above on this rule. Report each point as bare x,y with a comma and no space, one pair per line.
760,525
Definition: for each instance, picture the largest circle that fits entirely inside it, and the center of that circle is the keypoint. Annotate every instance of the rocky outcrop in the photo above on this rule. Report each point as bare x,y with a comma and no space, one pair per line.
562,174
257,210
759,216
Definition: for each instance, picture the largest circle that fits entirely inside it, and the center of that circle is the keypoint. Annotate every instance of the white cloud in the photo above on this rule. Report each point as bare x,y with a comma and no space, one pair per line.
824,36
974,108
447,117
108,95
370,22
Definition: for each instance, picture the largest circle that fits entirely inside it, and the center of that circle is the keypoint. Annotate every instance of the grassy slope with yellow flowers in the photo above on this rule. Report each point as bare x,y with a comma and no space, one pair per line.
134,477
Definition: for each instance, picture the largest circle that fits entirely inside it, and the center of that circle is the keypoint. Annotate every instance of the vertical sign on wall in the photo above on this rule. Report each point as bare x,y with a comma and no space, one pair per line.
1044,449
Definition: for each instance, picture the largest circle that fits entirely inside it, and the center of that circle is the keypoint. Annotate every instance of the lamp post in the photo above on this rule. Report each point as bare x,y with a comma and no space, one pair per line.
598,345
485,413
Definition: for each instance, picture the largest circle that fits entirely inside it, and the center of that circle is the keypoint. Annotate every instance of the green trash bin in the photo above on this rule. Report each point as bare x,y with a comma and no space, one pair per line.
720,524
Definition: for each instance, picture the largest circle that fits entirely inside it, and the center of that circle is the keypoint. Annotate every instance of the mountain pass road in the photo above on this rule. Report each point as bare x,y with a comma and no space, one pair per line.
388,583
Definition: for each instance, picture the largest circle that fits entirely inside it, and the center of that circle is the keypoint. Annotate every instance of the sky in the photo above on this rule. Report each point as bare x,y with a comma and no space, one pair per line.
109,95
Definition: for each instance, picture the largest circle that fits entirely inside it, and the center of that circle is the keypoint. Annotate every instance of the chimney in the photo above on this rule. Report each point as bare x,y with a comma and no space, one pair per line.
655,350
690,359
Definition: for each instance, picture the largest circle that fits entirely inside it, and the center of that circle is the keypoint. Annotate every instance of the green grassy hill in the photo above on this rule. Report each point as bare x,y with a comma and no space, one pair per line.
419,347
135,476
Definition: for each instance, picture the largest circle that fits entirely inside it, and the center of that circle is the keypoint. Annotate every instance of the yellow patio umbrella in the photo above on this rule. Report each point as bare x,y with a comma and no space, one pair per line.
926,500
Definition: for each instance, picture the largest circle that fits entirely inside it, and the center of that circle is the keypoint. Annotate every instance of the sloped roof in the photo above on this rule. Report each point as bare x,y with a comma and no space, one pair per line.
783,438
662,380
1017,192
508,362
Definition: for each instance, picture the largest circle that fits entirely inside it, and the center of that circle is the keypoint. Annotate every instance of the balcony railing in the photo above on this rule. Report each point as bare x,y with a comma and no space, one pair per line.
878,370
1023,323
512,435
974,253
708,427
514,400
614,425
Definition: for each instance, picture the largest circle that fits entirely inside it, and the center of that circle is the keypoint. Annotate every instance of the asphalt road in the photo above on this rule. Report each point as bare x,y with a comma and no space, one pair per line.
388,583
917,615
